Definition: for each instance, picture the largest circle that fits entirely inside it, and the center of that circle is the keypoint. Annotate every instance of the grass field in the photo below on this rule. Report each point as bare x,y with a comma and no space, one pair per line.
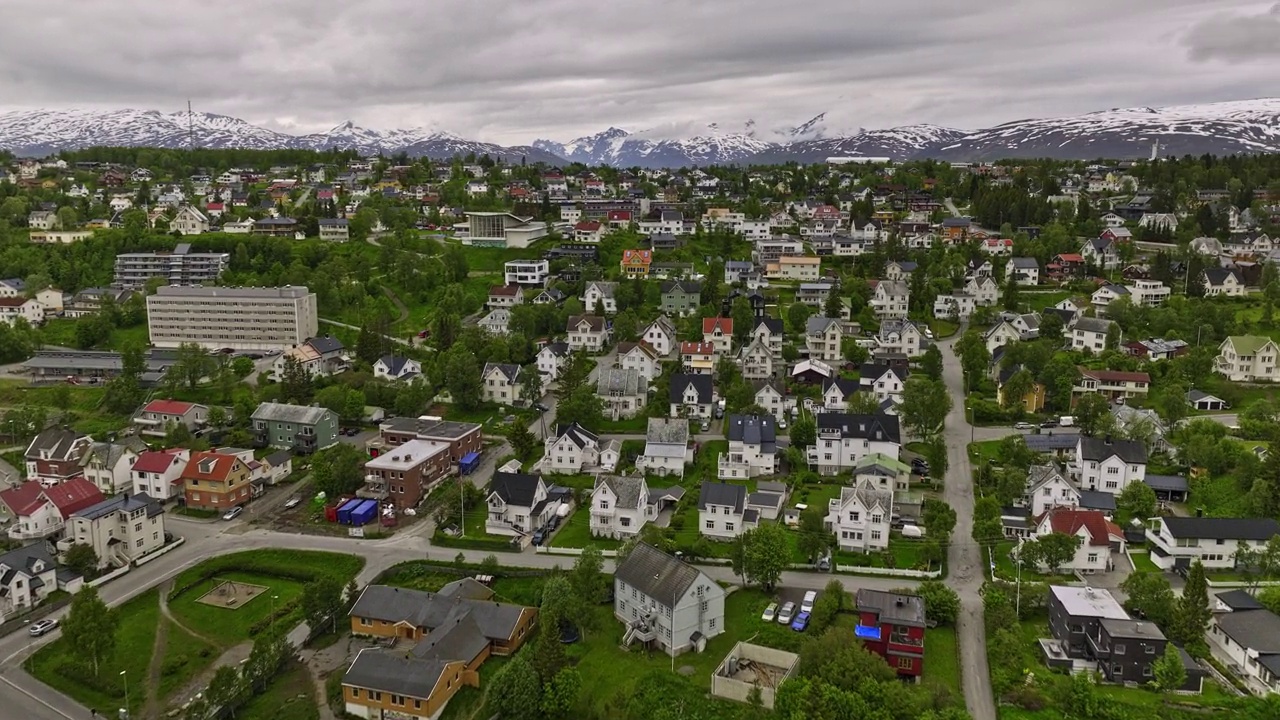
576,532
291,696
64,667
1142,562
229,626
185,655
942,659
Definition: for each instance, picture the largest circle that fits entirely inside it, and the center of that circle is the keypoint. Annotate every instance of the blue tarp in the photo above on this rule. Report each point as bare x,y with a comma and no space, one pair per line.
469,462
867,633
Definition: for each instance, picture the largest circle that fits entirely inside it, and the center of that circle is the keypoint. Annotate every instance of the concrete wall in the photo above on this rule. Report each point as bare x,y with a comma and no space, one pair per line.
737,690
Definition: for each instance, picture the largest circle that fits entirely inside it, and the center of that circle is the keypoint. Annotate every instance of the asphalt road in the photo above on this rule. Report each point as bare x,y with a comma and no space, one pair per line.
964,557
23,696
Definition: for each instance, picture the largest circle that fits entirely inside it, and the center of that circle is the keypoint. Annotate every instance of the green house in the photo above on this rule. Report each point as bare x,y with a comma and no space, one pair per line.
681,296
300,428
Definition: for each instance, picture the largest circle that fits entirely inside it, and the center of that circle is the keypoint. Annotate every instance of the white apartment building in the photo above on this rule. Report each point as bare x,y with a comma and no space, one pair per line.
240,318
1177,542
526,272
1148,293
891,300
753,448
120,529
179,267
844,439
1109,465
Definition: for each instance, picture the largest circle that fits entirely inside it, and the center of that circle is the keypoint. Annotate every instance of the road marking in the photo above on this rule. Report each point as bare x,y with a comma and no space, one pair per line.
24,691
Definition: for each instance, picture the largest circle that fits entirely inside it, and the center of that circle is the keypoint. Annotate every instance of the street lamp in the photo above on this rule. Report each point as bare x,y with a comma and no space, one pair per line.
124,712
273,608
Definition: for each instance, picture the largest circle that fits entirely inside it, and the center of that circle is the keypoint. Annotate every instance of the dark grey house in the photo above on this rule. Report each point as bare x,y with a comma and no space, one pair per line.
1126,651
1075,614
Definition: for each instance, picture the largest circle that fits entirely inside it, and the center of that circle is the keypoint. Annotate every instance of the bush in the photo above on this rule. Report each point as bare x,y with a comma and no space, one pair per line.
1027,698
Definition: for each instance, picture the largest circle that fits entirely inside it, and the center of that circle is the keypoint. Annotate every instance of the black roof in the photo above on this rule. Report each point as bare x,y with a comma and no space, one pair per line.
754,430
1218,276
846,386
1239,600
515,488
656,574
1097,500
723,494
1259,529
1168,483
875,371
773,325
870,427
701,383
1130,451
1049,442
391,672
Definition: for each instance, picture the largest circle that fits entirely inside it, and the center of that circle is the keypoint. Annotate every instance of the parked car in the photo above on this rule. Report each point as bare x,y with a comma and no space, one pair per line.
1049,424
782,424
806,605
40,627
770,613
540,407
825,564
801,622
292,502
1023,426
787,613
233,513
706,426
539,536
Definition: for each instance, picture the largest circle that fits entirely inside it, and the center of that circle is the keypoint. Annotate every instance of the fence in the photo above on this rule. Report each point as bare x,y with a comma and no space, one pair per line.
545,550
157,553
101,579
887,572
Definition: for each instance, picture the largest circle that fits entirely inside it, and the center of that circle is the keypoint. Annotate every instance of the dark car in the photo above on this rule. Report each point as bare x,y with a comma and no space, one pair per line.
1049,424
539,536
540,407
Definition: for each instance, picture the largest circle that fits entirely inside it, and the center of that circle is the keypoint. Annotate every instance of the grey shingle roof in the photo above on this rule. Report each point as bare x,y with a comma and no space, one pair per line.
459,638
298,414
390,672
1261,529
1254,629
860,426
121,503
722,494
325,345
622,381
626,488
753,430
508,370
665,430
657,574
1091,324
818,324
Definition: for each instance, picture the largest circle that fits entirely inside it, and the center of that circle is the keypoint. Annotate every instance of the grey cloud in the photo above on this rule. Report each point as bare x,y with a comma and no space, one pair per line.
1236,37
511,71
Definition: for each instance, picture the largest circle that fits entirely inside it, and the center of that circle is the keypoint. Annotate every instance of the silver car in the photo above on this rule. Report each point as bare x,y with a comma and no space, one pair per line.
770,613
787,613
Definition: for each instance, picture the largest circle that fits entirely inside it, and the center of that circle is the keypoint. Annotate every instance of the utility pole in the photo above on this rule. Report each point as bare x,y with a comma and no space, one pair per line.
1018,592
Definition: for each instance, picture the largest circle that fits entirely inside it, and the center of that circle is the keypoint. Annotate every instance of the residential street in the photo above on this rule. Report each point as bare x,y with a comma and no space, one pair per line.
32,700
964,557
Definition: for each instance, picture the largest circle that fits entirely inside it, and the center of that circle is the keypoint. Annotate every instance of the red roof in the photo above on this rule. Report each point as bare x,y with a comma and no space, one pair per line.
1071,257
619,215
505,290
23,499
168,407
697,348
1116,376
74,495
14,301
1069,520
218,466
213,206
153,462
587,226
709,325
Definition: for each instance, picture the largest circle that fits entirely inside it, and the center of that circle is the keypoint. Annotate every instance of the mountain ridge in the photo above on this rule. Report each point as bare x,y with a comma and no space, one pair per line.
1243,126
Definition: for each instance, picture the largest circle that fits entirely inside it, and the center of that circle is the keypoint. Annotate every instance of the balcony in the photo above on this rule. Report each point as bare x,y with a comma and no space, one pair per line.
25,532
304,443
731,466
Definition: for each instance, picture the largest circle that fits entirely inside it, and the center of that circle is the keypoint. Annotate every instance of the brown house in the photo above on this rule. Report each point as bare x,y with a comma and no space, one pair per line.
461,437
215,481
406,472
456,630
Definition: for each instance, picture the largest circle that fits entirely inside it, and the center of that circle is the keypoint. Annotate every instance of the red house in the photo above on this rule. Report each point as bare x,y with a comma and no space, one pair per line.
891,625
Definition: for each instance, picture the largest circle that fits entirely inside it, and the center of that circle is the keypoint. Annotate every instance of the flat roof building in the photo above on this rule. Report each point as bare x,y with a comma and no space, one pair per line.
273,318
179,267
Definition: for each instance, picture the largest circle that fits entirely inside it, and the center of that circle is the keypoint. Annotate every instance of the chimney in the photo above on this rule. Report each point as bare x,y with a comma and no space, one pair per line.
1107,439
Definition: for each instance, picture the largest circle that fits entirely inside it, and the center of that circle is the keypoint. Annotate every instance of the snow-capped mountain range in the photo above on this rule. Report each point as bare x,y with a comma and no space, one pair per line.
1246,126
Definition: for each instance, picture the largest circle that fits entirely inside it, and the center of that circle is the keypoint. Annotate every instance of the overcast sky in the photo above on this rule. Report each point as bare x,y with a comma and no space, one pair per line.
511,71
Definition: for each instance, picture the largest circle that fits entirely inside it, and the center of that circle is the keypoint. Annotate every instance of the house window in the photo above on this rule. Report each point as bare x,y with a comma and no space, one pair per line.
713,623
875,534
711,525
1119,649
877,519
366,622
1146,671
1150,649
904,663
728,527
853,516
1093,557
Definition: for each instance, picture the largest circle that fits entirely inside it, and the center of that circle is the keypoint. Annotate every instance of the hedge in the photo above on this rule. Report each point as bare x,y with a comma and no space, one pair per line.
471,543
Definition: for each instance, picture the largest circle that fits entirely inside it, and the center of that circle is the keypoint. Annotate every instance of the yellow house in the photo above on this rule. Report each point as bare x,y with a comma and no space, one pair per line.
1032,402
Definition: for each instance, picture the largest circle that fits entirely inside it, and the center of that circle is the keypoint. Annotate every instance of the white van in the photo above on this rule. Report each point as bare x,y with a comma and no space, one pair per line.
1067,420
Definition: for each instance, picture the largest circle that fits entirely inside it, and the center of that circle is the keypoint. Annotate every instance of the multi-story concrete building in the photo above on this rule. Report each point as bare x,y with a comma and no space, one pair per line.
240,318
526,272
179,267
405,473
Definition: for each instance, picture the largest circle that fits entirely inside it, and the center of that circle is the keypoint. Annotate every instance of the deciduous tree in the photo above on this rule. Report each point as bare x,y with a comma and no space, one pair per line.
1149,595
1137,500
90,627
515,692
814,539
1053,550
925,404
766,554
1168,670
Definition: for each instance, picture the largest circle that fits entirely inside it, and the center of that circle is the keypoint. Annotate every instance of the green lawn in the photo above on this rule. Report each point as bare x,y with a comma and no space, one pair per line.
638,424
1142,562
1007,570
576,532
185,655
291,696
943,328
231,626
65,668
985,451
942,660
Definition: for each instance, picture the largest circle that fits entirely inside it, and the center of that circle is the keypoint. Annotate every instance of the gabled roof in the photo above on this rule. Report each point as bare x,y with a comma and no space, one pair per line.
23,499
1257,630
154,461
1069,521
1099,449
627,489
1248,344
510,371
656,574
867,427
577,435
818,324
711,324
620,381
516,488
690,287
394,364
867,494
1239,600
59,444
701,383
773,325
595,322
1207,528
754,430
1024,263
1218,276
668,431
298,414
846,386
1092,324
722,494
210,465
